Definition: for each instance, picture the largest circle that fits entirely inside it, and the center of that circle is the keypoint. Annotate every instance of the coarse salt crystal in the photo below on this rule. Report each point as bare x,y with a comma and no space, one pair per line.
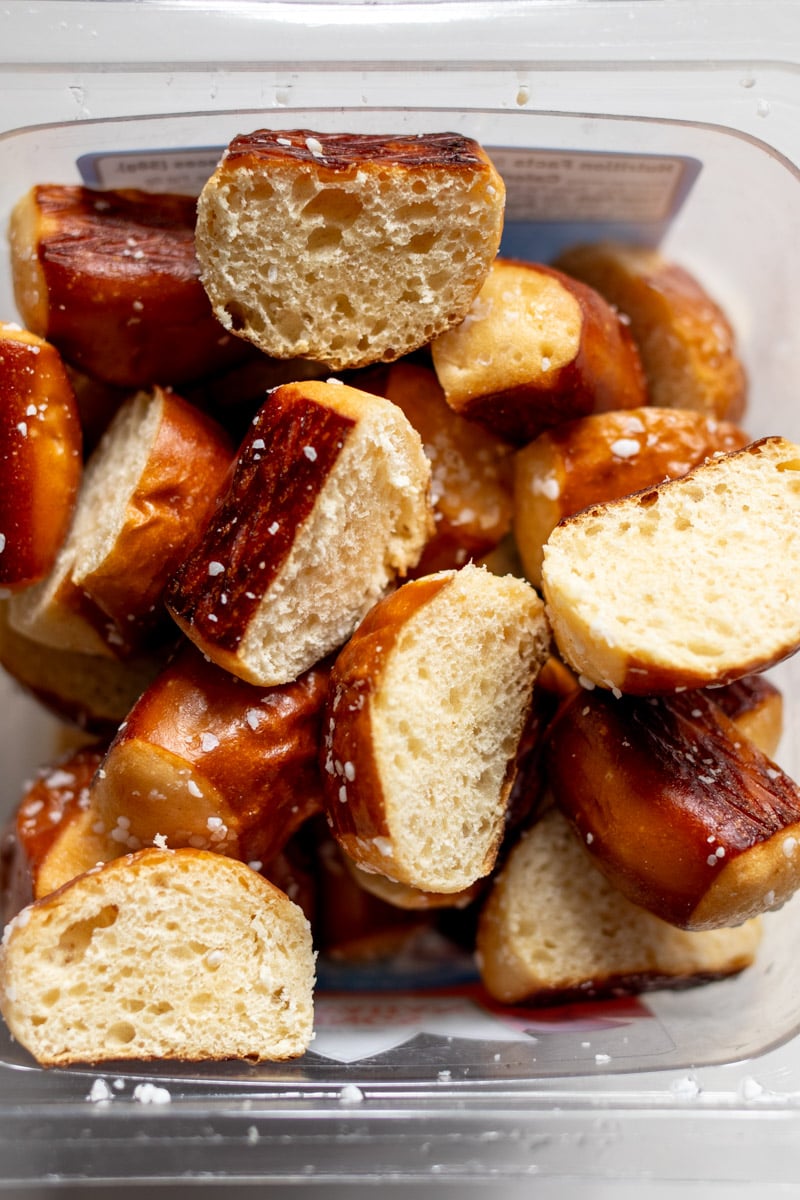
350,1094
273,528
349,771
252,717
2,542
215,568
314,146
625,447
209,741
149,1093
99,1091
310,453
160,840
194,790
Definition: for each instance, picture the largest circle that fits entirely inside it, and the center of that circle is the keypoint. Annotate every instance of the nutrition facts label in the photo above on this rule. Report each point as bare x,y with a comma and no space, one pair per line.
563,185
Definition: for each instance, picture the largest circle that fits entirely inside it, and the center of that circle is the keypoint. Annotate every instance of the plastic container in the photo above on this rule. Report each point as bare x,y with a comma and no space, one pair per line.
644,119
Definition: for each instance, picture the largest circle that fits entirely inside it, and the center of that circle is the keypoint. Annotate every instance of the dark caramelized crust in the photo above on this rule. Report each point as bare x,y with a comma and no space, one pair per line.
670,800
111,278
292,445
351,152
40,456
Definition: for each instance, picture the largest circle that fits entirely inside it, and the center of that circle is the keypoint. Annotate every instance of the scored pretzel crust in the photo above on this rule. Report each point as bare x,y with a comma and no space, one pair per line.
677,808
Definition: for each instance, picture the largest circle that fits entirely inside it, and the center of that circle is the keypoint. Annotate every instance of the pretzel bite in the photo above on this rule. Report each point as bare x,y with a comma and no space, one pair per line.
56,825
603,457
208,761
426,709
471,471
40,456
755,706
554,930
654,591
687,346
354,924
147,491
327,506
535,349
679,810
183,954
347,248
86,691
111,279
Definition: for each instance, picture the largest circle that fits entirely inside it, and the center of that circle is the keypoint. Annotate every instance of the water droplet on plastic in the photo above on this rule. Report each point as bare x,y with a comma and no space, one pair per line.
763,108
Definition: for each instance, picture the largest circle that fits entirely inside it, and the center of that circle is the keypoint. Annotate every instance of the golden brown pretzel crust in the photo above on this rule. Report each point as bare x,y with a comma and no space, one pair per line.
111,278
680,811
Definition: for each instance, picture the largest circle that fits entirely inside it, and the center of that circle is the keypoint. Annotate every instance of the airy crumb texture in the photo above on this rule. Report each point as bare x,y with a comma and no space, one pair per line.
343,248
554,925
692,583
160,954
431,766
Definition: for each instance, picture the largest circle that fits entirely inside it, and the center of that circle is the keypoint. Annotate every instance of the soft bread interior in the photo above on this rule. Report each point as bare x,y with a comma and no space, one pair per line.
554,923
118,465
368,525
665,578
378,261
161,954
446,722
47,612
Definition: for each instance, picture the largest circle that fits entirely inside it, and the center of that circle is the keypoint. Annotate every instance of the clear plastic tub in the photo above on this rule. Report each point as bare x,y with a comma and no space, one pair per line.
652,141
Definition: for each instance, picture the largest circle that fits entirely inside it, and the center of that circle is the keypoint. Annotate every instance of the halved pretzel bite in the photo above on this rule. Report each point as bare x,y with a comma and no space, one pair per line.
471,470
147,491
40,456
88,691
655,591
112,279
682,813
426,710
755,705
208,761
57,829
535,349
554,930
687,346
328,505
169,954
347,248
603,457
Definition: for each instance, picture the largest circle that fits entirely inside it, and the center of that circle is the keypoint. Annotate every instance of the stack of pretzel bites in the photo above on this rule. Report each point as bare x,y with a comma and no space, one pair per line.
396,587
